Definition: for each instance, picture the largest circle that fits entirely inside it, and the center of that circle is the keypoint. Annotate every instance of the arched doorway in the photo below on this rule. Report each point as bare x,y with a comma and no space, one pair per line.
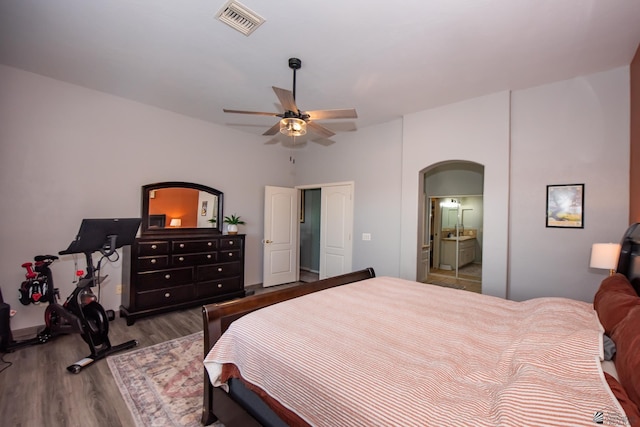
451,224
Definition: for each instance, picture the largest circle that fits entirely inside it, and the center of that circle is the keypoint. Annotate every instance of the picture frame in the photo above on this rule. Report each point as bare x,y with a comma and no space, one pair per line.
565,206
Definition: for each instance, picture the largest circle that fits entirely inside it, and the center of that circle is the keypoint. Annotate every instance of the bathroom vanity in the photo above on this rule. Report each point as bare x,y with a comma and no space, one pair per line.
466,249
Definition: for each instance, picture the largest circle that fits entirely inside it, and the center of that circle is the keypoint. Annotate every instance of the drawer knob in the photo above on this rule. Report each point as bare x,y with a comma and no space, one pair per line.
153,261
209,243
219,285
209,256
181,259
167,295
230,254
219,269
167,276
231,243
182,245
154,247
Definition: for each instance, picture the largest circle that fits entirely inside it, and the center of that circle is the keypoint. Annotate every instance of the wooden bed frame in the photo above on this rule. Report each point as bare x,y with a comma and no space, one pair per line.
217,318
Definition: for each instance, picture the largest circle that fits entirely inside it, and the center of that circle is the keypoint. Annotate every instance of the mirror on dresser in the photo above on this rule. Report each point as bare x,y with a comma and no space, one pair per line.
181,207
181,258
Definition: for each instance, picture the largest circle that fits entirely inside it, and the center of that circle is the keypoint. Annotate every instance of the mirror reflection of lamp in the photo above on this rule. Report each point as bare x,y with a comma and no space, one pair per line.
605,256
452,203
175,222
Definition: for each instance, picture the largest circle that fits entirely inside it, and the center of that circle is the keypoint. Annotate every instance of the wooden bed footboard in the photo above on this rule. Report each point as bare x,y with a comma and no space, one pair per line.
217,318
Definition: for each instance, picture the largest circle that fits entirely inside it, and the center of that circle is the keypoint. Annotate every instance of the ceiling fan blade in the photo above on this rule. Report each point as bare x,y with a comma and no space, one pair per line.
286,99
259,113
347,113
320,130
273,129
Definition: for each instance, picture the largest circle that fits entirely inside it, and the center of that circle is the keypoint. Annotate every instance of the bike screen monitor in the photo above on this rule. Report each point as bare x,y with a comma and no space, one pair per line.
103,235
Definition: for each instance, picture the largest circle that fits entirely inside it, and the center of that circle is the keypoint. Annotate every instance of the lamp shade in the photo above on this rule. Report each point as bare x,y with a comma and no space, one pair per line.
604,255
292,126
175,222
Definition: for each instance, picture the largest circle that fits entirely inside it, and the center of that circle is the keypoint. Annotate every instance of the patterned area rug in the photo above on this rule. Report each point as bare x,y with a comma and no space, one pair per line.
162,384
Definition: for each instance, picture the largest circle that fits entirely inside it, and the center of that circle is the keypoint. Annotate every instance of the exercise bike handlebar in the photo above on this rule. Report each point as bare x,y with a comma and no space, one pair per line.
109,246
107,249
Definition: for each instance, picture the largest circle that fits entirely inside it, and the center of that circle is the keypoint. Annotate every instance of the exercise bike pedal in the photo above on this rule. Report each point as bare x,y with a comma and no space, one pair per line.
111,315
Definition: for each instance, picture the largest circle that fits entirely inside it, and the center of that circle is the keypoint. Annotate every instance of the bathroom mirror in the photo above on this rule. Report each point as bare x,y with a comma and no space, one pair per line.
185,207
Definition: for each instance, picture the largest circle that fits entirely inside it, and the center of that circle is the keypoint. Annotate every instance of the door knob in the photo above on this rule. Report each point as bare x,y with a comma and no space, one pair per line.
268,241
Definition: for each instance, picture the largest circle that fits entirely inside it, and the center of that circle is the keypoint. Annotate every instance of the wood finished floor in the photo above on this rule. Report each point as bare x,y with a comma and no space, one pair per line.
469,278
37,390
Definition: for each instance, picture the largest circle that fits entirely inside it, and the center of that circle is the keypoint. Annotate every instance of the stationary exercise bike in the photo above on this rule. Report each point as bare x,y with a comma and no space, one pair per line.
81,312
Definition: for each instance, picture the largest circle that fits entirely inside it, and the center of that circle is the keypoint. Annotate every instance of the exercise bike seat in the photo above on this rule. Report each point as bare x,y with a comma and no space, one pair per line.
39,258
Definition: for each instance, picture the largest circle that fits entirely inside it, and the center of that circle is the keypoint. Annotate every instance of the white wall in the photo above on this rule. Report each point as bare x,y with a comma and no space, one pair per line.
475,130
570,132
370,158
68,153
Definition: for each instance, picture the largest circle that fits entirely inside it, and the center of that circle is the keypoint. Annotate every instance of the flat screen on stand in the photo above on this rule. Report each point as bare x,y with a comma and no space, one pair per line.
94,234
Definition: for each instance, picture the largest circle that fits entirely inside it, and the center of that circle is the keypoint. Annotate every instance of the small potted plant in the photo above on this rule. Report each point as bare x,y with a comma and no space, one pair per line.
233,221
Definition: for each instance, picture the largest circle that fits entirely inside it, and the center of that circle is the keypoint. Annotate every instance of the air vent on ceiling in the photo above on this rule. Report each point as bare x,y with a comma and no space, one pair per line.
239,17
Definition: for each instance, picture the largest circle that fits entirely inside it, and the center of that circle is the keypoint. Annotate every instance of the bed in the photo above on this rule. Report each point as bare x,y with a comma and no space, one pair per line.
364,350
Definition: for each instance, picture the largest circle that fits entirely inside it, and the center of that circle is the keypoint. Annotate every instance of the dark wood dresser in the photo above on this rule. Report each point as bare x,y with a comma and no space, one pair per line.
174,271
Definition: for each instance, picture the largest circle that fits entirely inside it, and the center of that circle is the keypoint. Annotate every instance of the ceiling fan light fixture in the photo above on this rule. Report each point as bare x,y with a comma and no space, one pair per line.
293,126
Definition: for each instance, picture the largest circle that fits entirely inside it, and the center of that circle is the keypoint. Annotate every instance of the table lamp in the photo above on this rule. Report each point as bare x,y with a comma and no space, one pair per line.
605,256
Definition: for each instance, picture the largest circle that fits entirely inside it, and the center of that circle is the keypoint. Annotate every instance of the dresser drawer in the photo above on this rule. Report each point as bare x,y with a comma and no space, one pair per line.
194,259
228,256
165,270
163,279
153,262
218,287
230,243
153,248
191,246
218,271
164,297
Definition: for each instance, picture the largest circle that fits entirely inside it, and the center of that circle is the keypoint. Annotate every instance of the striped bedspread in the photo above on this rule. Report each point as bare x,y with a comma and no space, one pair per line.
387,351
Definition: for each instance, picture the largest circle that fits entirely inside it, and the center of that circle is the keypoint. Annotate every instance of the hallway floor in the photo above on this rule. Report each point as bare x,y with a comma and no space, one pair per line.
469,278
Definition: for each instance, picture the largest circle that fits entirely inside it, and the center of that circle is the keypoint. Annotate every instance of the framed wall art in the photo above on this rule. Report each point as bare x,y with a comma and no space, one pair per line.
565,206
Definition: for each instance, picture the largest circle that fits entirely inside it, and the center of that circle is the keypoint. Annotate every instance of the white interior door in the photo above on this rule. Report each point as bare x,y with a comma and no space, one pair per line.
280,242
336,229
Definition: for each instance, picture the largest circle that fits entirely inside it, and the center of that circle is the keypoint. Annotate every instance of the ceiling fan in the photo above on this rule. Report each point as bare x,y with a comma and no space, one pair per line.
294,121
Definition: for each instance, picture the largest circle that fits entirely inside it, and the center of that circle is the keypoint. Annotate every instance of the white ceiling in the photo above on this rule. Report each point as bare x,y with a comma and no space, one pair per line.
385,59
